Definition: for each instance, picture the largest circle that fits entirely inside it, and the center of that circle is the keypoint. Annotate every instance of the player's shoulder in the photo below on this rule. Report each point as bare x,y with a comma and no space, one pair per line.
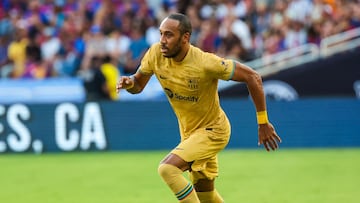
153,52
154,49
197,51
203,53
155,46
212,63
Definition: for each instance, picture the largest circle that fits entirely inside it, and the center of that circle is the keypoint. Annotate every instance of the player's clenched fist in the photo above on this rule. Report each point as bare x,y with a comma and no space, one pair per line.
125,82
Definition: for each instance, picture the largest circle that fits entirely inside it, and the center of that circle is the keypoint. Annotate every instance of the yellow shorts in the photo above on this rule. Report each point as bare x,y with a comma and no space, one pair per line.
201,148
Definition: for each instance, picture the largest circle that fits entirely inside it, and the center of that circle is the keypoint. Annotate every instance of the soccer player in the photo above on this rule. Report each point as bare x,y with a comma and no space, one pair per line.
190,77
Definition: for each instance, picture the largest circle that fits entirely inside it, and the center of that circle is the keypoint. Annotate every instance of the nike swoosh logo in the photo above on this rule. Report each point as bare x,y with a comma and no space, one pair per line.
163,77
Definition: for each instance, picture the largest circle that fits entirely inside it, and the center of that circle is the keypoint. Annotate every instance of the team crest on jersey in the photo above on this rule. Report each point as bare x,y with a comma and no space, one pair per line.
193,83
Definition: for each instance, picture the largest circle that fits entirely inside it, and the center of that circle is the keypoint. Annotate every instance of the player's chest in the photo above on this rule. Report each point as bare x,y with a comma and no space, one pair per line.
183,79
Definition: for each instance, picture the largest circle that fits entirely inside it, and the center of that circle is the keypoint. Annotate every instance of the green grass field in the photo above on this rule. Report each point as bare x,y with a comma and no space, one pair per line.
248,176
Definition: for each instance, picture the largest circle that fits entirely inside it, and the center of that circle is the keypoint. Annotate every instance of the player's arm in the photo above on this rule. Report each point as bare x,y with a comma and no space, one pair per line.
134,83
267,135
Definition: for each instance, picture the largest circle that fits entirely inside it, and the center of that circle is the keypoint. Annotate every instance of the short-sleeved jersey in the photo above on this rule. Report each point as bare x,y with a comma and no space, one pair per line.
190,85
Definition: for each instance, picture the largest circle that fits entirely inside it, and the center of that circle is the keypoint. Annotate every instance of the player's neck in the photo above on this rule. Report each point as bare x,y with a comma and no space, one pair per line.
180,57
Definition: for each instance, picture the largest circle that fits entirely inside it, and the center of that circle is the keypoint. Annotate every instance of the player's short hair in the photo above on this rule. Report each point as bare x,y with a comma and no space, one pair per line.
184,22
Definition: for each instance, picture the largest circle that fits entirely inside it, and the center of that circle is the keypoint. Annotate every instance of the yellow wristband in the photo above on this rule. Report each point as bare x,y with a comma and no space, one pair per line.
262,117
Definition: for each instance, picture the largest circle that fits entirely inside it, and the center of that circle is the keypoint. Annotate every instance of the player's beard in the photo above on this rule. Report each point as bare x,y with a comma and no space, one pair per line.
175,51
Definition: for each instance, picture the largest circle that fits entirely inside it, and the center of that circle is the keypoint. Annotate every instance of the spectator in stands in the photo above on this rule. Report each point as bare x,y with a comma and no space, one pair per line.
208,38
236,7
17,52
320,11
94,81
193,14
342,16
165,8
138,47
300,10
36,67
6,25
233,49
117,46
296,34
355,17
95,45
262,19
231,24
5,66
152,31
58,16
314,32
327,28
90,26
111,74
50,46
277,14
274,42
68,59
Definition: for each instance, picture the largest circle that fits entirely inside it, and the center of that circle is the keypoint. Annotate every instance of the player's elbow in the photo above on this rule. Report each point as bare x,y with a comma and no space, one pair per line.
254,78
257,77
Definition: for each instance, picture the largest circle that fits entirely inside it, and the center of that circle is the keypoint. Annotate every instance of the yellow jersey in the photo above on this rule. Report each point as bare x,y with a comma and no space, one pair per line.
111,74
17,53
191,85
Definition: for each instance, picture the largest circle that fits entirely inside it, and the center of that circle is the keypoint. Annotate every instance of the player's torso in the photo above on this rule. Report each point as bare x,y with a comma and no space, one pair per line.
186,84
190,85
191,91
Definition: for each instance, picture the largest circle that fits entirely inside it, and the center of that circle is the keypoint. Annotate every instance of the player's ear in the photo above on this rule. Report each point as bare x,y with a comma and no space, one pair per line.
186,37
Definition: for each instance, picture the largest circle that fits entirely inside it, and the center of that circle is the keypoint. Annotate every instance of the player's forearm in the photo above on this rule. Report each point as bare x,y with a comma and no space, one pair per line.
256,91
253,81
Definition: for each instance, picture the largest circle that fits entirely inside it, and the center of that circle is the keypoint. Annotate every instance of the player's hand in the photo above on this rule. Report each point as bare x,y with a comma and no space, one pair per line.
268,137
125,82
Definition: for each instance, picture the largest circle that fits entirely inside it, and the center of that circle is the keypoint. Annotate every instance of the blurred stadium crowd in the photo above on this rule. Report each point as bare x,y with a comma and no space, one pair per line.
97,40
